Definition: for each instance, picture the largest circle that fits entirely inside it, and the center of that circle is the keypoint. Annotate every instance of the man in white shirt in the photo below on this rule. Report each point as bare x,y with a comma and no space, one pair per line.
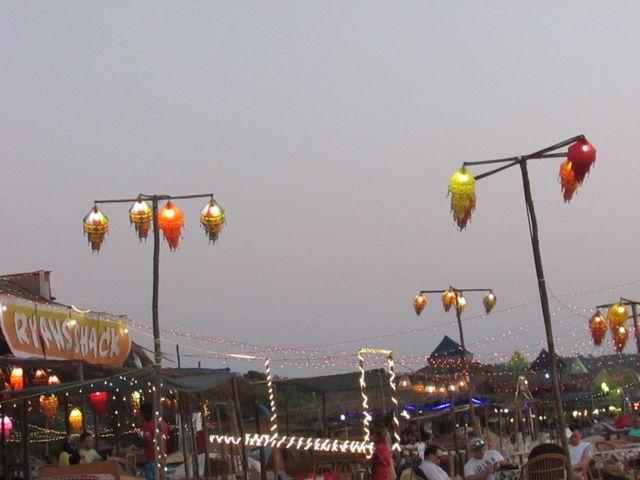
431,464
580,452
482,462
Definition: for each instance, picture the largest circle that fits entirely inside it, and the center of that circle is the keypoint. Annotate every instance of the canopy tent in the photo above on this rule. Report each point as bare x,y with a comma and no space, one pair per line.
337,383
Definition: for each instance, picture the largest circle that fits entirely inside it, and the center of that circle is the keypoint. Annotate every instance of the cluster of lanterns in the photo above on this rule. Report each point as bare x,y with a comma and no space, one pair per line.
418,386
462,185
451,297
170,222
615,320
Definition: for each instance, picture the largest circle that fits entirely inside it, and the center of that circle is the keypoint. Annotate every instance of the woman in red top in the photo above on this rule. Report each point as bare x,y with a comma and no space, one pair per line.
381,456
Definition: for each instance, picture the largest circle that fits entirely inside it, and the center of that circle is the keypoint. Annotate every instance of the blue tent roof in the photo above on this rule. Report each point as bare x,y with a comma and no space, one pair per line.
449,349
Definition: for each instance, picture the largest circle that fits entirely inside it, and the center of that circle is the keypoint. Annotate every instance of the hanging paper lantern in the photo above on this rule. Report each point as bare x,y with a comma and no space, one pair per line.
141,215
418,387
617,315
49,405
212,219
136,399
39,377
462,188
431,389
17,378
567,180
448,298
75,420
489,301
582,155
53,380
419,302
98,402
8,426
96,226
171,221
597,327
170,406
620,338
461,303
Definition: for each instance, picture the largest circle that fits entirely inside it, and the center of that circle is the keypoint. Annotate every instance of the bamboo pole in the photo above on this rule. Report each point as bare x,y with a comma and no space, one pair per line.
245,463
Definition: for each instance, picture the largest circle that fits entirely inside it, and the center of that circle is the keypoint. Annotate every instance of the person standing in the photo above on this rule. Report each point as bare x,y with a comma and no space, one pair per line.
149,439
431,464
381,456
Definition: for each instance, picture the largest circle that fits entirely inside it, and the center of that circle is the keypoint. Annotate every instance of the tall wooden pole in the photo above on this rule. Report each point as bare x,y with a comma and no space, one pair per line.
546,315
245,462
455,436
634,311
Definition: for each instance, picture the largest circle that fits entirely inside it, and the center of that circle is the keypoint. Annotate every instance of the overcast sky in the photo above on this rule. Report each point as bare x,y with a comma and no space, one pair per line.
328,131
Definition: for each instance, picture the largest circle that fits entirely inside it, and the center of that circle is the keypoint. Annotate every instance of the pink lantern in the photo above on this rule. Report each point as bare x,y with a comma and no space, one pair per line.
8,426
99,402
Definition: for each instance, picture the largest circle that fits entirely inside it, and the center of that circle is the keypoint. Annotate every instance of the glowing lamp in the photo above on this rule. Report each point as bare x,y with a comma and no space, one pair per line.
489,301
170,405
597,327
620,338
404,383
462,188
617,315
16,379
431,388
49,405
567,180
98,402
418,387
461,303
95,225
171,221
140,215
452,388
75,420
7,426
462,384
448,298
212,219
53,380
582,156
136,399
40,377
419,302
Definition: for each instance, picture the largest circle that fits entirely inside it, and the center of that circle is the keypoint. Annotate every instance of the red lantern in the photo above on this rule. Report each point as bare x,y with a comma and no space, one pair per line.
419,302
598,328
620,337
567,180
140,215
17,378
95,226
40,377
8,426
212,219
49,405
99,402
582,156
171,221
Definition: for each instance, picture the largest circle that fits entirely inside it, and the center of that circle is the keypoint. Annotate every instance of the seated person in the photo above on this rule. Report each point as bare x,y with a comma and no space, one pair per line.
482,462
431,464
580,453
88,453
69,455
545,448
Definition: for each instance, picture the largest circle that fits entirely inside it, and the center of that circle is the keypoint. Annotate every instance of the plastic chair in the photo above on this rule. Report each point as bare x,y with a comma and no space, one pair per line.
548,466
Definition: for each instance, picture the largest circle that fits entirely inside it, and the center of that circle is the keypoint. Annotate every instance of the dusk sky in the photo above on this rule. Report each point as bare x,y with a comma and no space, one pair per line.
328,131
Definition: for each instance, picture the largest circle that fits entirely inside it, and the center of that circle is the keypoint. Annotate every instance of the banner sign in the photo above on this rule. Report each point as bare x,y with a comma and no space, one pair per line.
33,329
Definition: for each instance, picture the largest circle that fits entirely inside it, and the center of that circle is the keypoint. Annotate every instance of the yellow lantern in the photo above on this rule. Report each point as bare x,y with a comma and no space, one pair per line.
95,225
461,303
136,400
617,315
16,379
49,405
567,180
171,221
212,218
418,387
462,188
419,302
75,420
489,301
141,215
53,380
620,338
448,298
597,327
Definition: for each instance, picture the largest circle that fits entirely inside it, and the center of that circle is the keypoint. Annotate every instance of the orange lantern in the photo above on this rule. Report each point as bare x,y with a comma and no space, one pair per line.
95,226
212,218
461,303
582,156
617,315
567,180
462,188
171,221
419,302
40,377
448,298
489,301
170,405
53,380
597,327
49,405
140,215
620,338
98,402
75,420
17,378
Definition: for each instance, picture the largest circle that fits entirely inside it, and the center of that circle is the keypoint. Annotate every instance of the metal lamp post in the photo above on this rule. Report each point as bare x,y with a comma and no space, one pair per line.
170,221
580,156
